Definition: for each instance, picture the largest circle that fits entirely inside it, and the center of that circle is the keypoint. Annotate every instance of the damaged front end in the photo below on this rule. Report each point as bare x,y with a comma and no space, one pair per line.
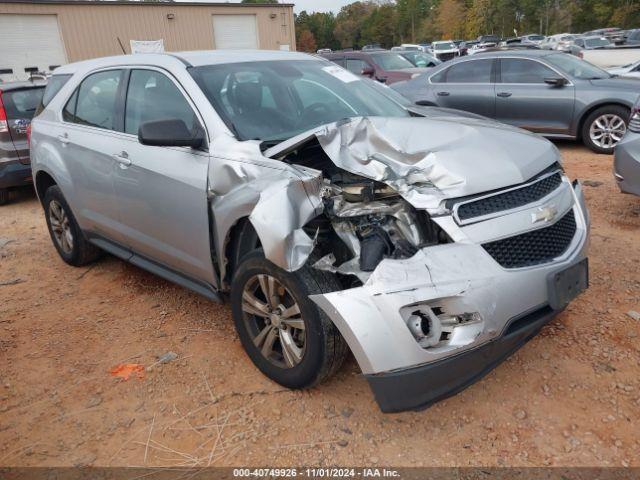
449,246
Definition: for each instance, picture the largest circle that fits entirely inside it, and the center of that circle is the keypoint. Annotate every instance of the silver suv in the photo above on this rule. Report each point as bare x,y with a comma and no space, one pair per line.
429,243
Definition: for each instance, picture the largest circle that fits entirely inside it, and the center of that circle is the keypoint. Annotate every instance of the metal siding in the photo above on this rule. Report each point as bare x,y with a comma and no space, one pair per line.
90,31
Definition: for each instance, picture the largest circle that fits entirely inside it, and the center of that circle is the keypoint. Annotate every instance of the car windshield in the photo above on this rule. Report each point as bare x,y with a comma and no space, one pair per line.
536,37
391,61
576,67
597,42
420,59
272,101
444,46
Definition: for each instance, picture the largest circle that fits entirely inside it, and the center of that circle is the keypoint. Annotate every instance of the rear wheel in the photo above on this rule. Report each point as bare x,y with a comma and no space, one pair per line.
284,333
604,128
4,196
65,232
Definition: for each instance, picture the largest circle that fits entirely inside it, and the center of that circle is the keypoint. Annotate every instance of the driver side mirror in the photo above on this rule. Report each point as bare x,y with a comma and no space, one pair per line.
172,132
368,71
556,81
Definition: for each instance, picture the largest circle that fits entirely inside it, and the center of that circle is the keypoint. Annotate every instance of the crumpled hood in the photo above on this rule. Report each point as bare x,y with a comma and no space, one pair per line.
428,160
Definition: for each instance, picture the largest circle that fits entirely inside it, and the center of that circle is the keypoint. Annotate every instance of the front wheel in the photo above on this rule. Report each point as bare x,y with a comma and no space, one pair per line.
284,333
604,128
4,196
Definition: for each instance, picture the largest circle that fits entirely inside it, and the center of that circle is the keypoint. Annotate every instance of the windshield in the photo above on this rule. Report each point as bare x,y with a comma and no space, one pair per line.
391,61
576,67
420,59
597,42
444,46
536,37
276,100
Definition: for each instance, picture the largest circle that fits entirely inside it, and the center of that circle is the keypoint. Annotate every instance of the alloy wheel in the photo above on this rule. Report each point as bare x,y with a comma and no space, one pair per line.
60,227
273,320
607,130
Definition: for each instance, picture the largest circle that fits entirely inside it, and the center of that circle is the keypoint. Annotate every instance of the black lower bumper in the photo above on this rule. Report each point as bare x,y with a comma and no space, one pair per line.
14,175
420,387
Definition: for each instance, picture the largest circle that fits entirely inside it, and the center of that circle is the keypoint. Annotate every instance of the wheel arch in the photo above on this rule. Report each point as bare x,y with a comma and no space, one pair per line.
236,245
592,108
42,181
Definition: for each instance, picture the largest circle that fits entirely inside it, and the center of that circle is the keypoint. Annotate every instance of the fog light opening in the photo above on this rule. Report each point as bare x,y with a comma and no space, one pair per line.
425,327
432,327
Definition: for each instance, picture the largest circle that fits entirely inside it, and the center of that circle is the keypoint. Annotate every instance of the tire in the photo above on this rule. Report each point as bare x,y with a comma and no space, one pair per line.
601,119
320,347
65,232
4,196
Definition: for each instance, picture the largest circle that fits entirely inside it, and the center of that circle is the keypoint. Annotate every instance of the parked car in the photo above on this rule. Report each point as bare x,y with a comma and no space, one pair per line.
419,59
626,164
633,37
481,47
384,66
413,46
444,50
561,42
371,47
324,50
431,247
615,36
489,39
547,92
18,103
463,47
630,70
592,42
533,39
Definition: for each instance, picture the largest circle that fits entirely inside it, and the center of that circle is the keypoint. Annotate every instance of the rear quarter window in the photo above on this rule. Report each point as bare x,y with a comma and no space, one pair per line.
55,83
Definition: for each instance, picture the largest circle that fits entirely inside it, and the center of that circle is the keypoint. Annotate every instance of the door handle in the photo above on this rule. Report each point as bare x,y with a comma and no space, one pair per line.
505,94
123,159
443,94
64,138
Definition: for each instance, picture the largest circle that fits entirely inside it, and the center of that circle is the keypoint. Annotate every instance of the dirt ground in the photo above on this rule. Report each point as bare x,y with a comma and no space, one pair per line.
570,397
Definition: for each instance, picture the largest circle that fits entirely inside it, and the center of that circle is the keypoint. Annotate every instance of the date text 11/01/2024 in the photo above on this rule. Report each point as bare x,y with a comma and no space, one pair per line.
317,472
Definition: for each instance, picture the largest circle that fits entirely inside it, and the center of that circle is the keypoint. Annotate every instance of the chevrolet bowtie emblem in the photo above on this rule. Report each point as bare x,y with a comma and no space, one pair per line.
544,214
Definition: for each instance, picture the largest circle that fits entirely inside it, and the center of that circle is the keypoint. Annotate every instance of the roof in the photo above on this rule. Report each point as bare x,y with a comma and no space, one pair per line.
8,86
195,58
146,3
517,52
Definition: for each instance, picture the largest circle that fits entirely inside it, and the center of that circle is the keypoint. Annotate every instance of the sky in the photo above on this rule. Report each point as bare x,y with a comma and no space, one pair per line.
319,5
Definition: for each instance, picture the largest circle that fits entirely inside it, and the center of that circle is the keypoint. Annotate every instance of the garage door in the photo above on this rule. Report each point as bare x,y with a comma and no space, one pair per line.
235,31
29,41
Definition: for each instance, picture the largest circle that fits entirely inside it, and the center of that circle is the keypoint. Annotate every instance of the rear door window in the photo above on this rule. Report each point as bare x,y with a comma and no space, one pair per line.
474,71
95,101
22,104
516,70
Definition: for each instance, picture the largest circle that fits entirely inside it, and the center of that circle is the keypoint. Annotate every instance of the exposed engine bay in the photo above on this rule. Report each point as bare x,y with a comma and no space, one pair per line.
364,221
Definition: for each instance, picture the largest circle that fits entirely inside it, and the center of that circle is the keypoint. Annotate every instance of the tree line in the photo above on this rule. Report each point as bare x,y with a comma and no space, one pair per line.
391,23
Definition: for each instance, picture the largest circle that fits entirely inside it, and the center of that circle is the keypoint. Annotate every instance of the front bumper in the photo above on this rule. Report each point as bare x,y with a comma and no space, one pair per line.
626,164
14,174
459,279
419,387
